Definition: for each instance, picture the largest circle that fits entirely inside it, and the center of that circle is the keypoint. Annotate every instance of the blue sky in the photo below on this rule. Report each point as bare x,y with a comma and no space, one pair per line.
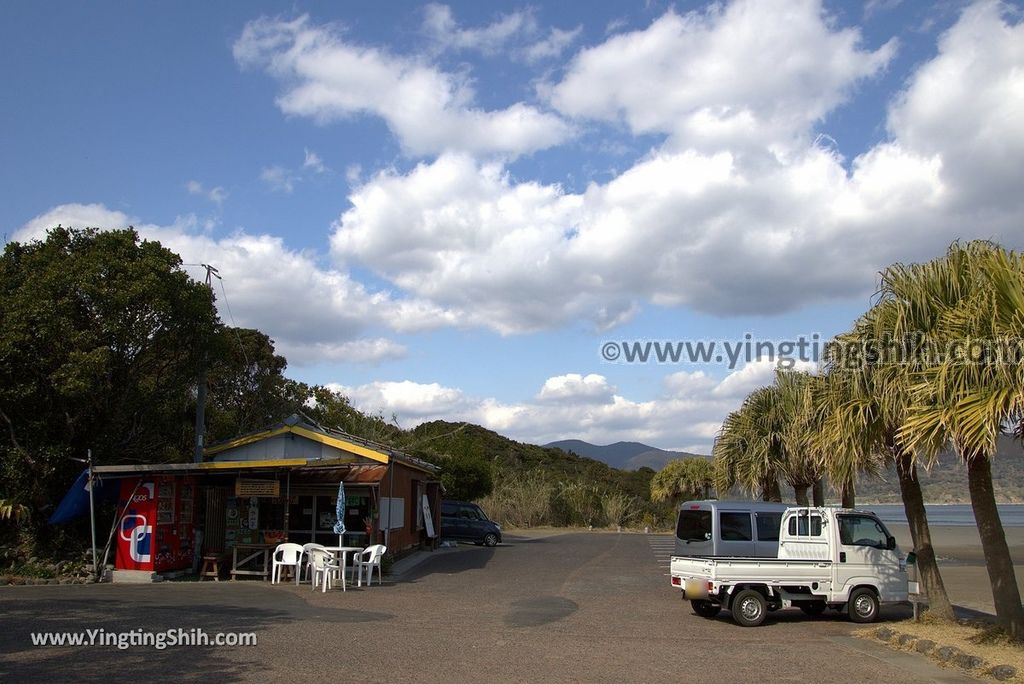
445,210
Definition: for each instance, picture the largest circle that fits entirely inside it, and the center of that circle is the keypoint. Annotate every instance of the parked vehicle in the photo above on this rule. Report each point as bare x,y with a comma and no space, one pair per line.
728,528
464,521
828,558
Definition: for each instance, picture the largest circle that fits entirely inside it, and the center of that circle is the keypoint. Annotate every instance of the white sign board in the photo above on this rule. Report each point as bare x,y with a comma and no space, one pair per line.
428,519
392,513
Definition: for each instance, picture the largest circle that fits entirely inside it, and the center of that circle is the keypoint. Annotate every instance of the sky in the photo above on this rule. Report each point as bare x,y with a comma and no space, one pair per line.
475,211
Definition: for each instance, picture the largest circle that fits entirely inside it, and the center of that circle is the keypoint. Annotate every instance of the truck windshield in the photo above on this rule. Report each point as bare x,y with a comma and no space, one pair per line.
694,525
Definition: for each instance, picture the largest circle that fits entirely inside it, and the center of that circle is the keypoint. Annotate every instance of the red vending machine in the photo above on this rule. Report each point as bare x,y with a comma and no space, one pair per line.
156,531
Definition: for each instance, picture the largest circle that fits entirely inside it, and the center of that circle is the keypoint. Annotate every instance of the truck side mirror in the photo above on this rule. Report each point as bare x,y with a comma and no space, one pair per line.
890,543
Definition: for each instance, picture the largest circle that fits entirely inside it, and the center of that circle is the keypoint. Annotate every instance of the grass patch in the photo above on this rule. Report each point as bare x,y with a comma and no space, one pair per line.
981,639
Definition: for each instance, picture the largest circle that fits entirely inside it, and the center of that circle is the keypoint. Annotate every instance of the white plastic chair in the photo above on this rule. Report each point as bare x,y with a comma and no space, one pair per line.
308,564
286,555
370,558
325,567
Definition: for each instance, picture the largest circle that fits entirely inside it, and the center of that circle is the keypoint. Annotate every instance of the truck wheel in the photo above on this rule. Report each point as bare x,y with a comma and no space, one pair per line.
706,609
863,605
749,608
813,608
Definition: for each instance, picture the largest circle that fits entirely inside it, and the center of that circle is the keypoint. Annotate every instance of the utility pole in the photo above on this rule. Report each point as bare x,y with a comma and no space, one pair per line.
92,519
211,272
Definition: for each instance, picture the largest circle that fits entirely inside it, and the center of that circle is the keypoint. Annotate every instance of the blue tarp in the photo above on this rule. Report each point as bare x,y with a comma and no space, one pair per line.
75,503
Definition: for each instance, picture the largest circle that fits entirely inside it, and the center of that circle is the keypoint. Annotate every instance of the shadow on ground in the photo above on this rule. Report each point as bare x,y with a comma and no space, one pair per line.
152,609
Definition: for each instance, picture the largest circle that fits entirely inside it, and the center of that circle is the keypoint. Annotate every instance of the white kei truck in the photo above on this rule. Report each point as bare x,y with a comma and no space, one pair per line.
835,558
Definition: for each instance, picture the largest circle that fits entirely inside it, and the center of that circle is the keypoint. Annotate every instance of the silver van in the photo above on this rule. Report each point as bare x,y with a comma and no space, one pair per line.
729,528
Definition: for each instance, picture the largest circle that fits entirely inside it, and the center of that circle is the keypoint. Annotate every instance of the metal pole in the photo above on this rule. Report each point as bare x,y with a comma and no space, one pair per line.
92,519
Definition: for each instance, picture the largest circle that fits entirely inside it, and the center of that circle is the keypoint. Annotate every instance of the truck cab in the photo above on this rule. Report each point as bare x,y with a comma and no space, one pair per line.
842,559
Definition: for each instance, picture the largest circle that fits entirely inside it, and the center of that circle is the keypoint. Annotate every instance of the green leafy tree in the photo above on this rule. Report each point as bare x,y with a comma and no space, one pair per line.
247,387
465,477
100,344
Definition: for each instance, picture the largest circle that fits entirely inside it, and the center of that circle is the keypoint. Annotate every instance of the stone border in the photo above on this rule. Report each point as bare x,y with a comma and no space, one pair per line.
946,655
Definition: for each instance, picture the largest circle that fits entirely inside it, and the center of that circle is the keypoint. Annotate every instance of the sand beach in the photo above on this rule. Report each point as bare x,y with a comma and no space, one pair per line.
962,562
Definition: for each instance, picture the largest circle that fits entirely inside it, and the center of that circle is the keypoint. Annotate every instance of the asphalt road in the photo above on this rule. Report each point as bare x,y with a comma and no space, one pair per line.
576,607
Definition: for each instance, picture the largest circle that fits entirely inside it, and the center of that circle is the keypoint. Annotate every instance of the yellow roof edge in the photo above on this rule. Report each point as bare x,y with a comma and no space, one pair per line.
342,444
272,463
247,439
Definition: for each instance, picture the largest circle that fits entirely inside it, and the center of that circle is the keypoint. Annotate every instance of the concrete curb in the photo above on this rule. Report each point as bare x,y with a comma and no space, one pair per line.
403,566
922,667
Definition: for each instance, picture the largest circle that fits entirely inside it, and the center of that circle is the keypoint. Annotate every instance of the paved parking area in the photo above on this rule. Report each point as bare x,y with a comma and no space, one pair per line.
575,607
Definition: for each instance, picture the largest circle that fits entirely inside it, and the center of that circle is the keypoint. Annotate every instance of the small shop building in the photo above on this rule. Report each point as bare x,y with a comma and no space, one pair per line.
258,490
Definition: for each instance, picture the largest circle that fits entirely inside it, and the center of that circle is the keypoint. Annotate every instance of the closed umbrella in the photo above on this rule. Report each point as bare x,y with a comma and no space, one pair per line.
339,510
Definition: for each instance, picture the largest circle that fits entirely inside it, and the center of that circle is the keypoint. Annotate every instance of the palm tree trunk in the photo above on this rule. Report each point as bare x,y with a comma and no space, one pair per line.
849,494
920,534
770,491
818,492
1005,594
800,492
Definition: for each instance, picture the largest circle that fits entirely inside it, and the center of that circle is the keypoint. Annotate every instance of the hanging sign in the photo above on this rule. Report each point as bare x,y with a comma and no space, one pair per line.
248,487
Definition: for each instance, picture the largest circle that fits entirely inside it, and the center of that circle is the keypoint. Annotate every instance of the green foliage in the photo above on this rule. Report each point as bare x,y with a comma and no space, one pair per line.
465,477
100,343
683,478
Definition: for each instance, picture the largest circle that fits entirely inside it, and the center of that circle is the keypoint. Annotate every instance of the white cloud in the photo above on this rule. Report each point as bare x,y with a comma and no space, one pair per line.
216,195
966,108
722,231
552,46
440,26
685,416
279,179
576,388
313,162
326,78
313,314
516,33
752,73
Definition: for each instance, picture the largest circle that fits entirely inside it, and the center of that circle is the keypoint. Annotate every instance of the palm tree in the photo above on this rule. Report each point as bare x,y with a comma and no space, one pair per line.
864,403
770,438
745,452
974,300
683,478
845,442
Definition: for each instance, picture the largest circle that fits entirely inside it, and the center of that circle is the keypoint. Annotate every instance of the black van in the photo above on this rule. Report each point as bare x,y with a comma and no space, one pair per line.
464,521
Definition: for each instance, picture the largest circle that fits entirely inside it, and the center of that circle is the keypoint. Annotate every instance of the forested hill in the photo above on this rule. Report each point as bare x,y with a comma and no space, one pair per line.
946,482
507,455
624,455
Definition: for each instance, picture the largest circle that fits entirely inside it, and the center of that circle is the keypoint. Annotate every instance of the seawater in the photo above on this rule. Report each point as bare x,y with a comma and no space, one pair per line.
953,515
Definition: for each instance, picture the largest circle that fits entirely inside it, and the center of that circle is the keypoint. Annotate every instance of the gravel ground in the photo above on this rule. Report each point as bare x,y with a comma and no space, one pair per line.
572,607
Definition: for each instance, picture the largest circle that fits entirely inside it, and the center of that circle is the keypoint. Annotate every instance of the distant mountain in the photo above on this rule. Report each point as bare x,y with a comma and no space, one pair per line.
946,481
622,455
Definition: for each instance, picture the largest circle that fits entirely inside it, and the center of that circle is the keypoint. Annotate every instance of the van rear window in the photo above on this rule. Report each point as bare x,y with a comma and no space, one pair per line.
735,526
768,525
694,525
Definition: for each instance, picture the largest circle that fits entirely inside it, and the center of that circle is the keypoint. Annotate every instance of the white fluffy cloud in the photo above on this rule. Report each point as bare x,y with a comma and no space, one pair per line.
716,228
429,110
516,33
313,314
753,72
686,414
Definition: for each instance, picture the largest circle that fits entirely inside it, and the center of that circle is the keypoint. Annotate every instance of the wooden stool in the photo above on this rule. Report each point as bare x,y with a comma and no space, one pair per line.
208,571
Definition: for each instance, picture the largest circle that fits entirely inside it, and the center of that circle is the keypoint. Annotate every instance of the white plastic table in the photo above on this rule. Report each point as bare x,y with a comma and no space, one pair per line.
342,552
